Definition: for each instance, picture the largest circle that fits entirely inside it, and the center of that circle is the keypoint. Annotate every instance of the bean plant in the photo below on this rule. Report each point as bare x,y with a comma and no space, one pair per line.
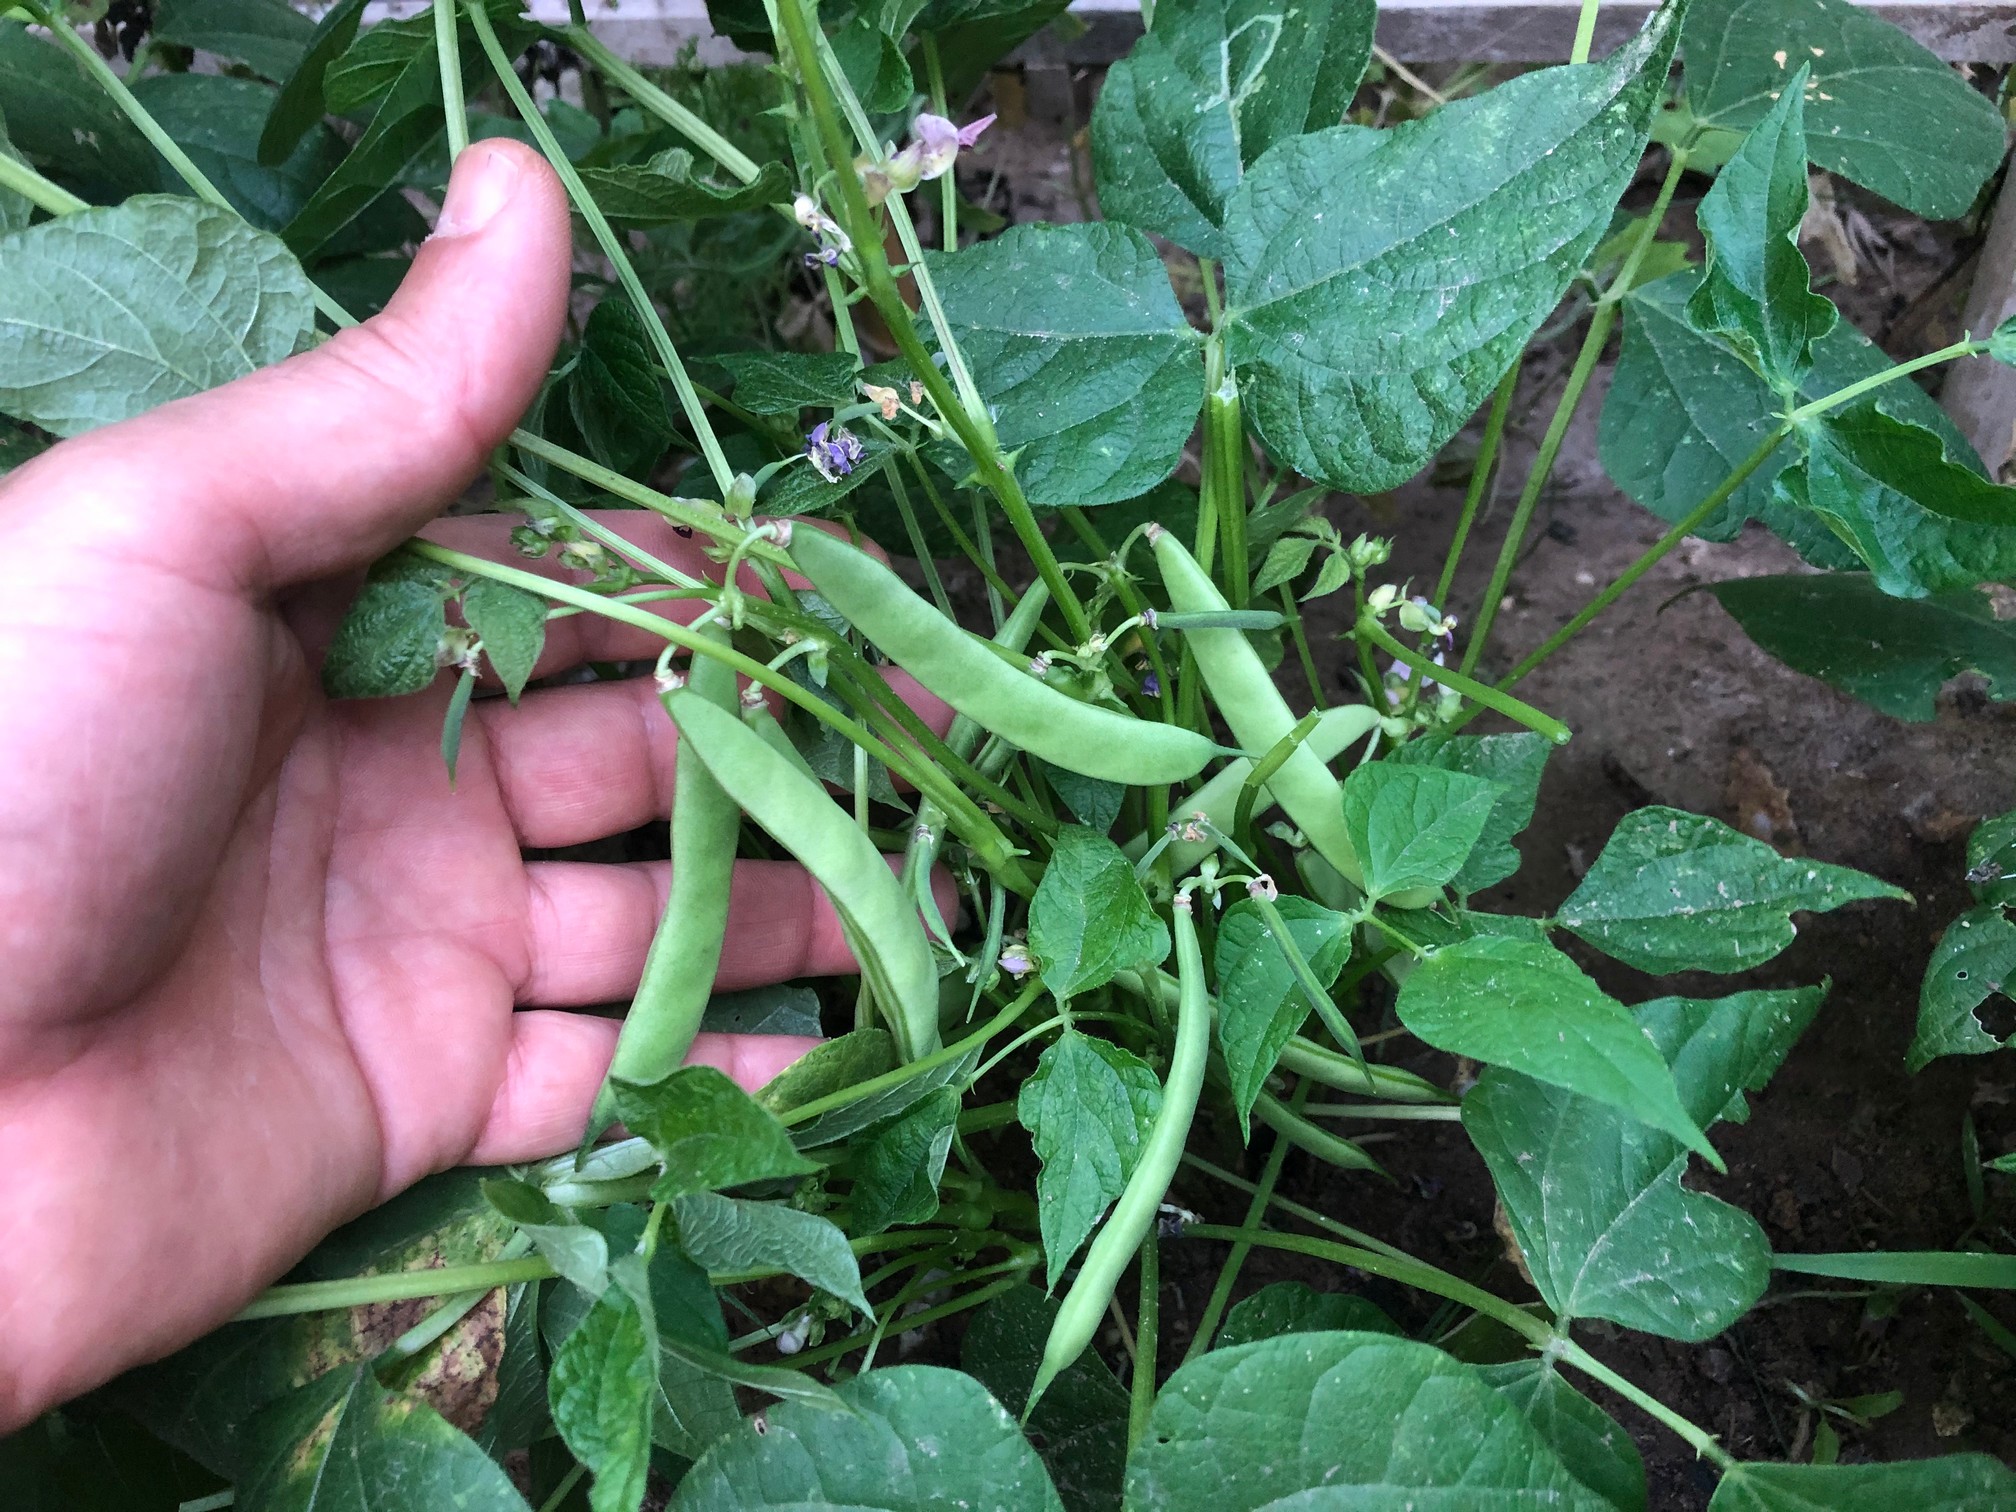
1205,908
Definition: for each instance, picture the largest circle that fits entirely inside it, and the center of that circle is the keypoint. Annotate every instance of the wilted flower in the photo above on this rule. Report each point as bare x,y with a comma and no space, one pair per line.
832,240
834,451
886,397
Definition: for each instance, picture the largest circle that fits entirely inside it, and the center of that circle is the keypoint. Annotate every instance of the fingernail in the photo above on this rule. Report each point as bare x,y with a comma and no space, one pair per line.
480,186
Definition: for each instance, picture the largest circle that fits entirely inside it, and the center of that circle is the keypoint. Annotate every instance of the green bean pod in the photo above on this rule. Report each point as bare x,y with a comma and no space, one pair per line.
971,676
685,953
1338,729
1133,1217
879,921
1259,716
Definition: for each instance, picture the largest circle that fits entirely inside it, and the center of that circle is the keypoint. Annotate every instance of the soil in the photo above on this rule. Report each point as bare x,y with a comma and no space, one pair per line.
1671,704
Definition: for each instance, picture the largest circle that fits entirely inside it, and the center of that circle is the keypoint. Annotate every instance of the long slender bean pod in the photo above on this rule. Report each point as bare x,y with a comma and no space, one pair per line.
879,921
1133,1216
1259,716
973,678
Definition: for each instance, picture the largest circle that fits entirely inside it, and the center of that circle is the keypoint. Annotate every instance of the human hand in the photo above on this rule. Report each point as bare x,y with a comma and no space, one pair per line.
261,962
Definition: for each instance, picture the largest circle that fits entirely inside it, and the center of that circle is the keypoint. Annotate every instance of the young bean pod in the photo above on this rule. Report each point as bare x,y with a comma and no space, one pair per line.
879,921
973,678
685,953
1133,1216
1259,716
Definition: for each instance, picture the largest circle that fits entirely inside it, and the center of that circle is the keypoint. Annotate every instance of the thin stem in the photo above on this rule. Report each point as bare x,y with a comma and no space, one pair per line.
1147,1334
1965,347
560,1492
1228,1273
1627,274
1484,695
393,1286
1696,1437
1308,1215
1585,32
694,514
657,102
1225,474
1292,612
449,49
1427,1112
583,521
37,190
912,1321
1480,480
948,187
612,248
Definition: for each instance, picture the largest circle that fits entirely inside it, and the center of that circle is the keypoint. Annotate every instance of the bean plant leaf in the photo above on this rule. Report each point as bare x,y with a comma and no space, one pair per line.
1756,292
1260,1005
1956,1483
695,1398
1974,960
1379,283
216,119
897,1164
828,1067
602,1387
1412,825
1341,1420
1205,93
1080,1422
576,1251
1090,916
1892,653
1922,521
389,643
511,624
1595,1198
1077,342
728,1235
67,126
302,102
708,1131
370,68
1087,1106
874,64
763,1010
343,1443
666,191
1674,891
1514,763
1591,1444
106,313
616,393
1093,801
15,209
917,1438
1681,415
1881,109
1287,1307
269,36
783,383
1523,1005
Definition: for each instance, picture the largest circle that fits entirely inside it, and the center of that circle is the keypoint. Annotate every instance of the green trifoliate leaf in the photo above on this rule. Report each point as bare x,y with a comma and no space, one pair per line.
511,625
1681,415
872,1109
343,1443
1903,651
1087,1106
1595,1198
783,383
1675,891
1756,292
602,1389
1093,801
1290,1307
270,36
1077,343
1260,1006
897,1164
829,1067
1514,763
1591,1444
708,1131
67,126
1991,859
107,313
1379,283
1090,917
1342,1420
873,61
1523,1005
666,191
390,642
1921,521
727,1234
371,67
1957,1483
695,1398
917,1439
616,393
1080,1422
1414,826
1203,95
1974,960
1881,109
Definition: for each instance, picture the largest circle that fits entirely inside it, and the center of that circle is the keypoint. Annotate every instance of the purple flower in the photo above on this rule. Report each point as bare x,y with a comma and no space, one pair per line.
1151,685
834,451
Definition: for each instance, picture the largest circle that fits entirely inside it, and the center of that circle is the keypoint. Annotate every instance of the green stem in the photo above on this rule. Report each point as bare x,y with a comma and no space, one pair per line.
1292,612
1480,481
588,524
37,190
912,1321
1965,347
1147,1334
694,514
393,1286
1627,274
1228,1273
449,49
657,102
561,1492
948,188
1308,1215
1697,1438
1427,1112
1484,695
1585,32
612,248
1225,472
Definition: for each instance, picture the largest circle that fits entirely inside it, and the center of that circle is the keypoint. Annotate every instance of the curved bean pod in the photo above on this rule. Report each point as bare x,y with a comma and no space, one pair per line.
1133,1215
972,677
1259,716
879,921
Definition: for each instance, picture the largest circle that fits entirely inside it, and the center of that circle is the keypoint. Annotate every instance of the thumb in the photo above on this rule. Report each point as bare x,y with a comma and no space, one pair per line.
329,459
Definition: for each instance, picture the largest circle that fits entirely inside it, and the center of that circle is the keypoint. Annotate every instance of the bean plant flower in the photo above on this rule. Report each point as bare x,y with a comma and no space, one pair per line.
933,148
835,451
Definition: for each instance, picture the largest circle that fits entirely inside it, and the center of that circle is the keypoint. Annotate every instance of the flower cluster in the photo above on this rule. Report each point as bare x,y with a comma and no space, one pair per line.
834,450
